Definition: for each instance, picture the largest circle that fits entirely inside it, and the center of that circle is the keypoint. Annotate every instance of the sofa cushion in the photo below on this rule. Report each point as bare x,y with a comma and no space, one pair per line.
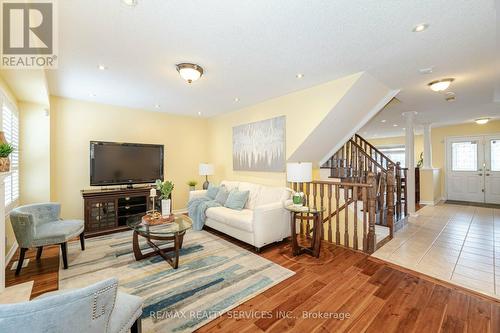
270,194
254,191
237,199
230,185
240,219
212,191
222,195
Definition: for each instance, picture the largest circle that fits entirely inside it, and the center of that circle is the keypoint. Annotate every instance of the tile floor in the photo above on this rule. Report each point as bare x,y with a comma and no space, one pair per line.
459,244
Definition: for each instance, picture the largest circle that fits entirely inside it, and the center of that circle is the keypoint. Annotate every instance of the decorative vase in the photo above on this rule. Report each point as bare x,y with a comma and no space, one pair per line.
298,198
165,207
4,164
192,188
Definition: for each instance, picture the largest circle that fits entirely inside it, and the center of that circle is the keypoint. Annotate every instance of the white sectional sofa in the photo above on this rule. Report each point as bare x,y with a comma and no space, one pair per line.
264,220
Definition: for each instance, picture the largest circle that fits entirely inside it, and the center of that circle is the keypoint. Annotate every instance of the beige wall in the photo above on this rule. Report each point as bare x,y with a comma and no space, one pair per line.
439,135
304,110
34,152
75,123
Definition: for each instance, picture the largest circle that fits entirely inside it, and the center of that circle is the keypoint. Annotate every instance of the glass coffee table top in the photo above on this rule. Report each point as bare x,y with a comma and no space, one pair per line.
305,209
180,224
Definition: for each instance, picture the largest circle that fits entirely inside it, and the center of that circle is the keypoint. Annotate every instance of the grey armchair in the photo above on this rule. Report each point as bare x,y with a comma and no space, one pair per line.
99,308
39,225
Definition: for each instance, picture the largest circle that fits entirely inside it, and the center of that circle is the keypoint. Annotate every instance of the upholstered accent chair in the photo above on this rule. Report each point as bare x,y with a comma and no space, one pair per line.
38,225
98,308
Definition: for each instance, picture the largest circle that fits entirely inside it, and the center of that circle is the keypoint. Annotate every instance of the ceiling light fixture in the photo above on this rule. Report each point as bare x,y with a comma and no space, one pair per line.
157,106
395,125
440,85
199,113
482,121
383,121
131,3
102,67
236,99
420,27
299,76
189,72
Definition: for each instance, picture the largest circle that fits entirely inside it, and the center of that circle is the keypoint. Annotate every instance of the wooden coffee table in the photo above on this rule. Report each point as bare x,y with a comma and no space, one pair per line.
164,231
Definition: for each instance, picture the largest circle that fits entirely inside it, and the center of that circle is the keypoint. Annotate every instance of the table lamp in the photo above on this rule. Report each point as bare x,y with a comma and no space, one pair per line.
206,170
300,172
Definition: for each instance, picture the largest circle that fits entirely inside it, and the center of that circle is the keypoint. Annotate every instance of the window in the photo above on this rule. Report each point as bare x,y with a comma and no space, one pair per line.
495,155
395,153
10,127
464,156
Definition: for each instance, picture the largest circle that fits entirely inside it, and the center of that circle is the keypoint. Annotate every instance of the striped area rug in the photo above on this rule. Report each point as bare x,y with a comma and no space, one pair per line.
213,277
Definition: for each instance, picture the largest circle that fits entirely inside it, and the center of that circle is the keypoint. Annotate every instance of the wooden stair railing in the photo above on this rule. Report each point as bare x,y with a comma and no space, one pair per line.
328,195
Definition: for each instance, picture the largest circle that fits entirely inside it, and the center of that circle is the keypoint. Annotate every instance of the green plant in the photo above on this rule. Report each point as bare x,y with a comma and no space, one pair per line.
6,149
192,183
420,162
165,188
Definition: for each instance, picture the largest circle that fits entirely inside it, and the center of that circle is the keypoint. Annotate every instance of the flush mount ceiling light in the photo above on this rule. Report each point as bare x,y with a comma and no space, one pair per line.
420,27
131,3
482,121
440,85
189,72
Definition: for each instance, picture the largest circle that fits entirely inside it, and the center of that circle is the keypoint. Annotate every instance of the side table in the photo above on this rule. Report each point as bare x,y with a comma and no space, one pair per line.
303,213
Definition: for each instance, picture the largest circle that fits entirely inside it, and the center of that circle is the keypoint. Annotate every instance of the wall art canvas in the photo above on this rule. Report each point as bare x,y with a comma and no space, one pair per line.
260,146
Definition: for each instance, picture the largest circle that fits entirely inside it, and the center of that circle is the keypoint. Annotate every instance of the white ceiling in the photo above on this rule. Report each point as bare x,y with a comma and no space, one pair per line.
252,49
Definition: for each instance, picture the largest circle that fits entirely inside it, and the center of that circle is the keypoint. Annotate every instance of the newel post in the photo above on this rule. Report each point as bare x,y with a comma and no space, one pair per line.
390,198
372,198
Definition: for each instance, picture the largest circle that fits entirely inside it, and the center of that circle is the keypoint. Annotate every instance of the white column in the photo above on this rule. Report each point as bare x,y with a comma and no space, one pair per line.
2,231
427,147
410,160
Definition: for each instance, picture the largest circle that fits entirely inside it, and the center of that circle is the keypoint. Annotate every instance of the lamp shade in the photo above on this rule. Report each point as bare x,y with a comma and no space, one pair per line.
299,172
206,169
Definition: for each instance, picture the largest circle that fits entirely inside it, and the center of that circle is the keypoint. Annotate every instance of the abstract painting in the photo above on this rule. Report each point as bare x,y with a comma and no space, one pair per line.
260,146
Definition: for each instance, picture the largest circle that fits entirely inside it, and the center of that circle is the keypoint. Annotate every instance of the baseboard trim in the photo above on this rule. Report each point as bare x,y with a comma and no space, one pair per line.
11,253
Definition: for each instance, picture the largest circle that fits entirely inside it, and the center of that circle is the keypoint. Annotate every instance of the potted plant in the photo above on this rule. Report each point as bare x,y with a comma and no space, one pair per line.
165,188
192,185
5,150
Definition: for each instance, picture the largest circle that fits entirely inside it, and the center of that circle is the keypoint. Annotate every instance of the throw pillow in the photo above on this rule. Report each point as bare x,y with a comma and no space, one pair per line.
212,191
237,199
222,195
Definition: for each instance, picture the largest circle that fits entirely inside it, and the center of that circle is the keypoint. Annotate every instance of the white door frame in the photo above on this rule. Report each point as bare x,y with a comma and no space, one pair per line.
447,157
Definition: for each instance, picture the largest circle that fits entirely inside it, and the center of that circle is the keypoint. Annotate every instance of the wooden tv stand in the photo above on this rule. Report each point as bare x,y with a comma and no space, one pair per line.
107,210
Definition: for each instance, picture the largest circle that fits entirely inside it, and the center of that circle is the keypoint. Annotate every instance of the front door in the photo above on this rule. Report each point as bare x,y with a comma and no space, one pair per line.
492,169
473,169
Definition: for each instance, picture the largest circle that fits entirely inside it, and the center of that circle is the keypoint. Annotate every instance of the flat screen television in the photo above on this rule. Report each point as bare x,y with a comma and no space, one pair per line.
113,163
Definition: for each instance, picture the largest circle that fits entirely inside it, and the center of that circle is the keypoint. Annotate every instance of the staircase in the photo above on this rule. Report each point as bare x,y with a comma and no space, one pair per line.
356,159
364,199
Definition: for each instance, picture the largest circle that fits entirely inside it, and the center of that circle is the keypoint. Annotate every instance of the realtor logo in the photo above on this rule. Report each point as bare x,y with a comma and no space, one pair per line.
29,36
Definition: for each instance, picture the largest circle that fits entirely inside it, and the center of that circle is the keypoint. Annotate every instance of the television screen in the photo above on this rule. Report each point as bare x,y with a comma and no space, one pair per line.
125,163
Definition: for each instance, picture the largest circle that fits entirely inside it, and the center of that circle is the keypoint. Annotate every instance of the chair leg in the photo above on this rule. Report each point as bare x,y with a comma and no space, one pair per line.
22,252
39,252
137,327
82,241
64,250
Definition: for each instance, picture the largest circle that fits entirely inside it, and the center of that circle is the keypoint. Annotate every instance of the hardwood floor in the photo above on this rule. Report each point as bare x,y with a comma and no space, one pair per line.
372,295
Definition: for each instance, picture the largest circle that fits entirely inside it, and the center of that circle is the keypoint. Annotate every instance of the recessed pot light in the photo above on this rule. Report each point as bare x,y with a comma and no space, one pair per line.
420,27
157,106
440,85
299,76
482,121
199,113
395,125
102,67
92,95
236,99
383,121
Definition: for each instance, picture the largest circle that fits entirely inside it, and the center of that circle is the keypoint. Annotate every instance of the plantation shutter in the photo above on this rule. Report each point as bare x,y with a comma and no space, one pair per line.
10,127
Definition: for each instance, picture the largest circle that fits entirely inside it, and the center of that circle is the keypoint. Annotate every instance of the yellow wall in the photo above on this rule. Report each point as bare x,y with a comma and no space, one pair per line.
75,123
438,135
303,110
400,140
34,152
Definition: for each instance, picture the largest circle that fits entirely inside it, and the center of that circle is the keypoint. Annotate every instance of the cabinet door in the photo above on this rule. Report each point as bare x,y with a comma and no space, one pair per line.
101,215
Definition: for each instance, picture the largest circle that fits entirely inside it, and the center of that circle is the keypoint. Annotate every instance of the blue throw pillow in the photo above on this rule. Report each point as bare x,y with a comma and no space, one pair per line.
222,195
212,191
237,199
